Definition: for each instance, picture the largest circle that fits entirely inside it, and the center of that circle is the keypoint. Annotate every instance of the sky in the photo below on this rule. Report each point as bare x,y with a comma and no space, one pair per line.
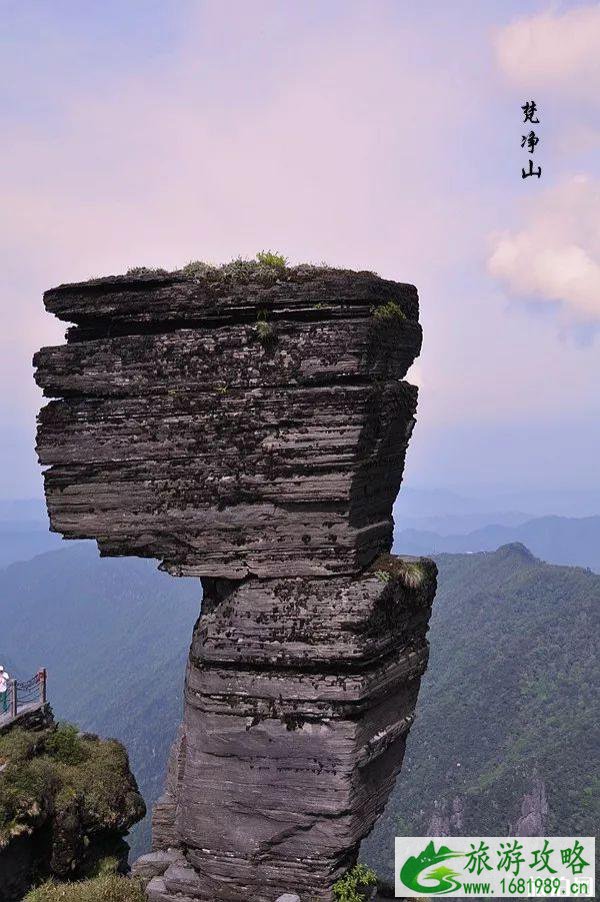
376,135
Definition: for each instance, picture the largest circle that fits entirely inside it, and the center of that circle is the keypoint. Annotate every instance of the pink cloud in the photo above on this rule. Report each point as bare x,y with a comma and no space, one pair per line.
553,49
555,255
358,142
326,147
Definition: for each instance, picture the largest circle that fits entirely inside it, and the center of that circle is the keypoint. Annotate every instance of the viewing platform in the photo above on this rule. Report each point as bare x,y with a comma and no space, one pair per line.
25,701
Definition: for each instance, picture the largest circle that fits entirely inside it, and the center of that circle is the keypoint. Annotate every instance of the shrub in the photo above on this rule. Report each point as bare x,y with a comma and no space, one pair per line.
389,311
109,888
264,330
198,269
271,258
65,745
18,745
353,886
413,573
146,271
27,793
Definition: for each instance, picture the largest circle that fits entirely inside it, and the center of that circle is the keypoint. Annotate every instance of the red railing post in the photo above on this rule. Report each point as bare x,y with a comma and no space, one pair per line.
13,698
42,684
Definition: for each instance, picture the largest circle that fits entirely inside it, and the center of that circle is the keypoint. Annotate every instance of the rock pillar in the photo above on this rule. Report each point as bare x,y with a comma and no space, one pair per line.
248,425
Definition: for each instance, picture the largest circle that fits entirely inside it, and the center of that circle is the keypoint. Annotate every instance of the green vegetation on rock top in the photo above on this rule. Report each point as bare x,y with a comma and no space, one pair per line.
510,692
272,258
267,268
103,889
51,772
413,573
147,271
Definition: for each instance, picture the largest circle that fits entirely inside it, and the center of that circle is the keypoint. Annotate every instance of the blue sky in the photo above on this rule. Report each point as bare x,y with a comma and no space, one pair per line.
379,135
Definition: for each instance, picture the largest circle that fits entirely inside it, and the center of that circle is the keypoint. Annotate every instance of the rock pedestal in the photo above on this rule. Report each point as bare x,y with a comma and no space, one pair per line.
248,426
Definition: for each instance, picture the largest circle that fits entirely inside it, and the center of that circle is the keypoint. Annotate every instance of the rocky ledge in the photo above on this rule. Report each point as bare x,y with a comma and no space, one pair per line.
66,802
248,425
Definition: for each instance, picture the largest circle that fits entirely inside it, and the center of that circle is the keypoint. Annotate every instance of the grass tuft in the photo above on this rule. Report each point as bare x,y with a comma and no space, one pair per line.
413,573
264,329
147,271
65,746
389,312
272,258
109,888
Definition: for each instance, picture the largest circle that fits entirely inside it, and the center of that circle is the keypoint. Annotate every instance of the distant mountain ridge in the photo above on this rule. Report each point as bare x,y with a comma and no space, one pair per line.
459,524
20,540
558,540
25,531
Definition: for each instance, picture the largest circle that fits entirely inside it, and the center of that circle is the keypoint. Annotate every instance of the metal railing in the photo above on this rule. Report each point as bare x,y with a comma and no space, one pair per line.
24,694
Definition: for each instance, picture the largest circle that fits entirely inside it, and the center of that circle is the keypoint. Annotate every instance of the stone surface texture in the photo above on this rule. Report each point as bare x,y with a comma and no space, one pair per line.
249,426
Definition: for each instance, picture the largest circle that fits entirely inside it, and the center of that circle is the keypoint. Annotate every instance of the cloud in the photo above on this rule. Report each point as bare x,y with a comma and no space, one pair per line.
326,131
266,128
555,257
553,49
319,142
317,148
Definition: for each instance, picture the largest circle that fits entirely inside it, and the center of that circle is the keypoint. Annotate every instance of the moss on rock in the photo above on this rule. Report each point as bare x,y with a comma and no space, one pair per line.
71,796
51,771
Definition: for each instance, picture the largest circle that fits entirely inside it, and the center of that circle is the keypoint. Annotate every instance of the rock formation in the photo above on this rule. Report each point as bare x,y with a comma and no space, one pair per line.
67,799
533,817
447,818
248,425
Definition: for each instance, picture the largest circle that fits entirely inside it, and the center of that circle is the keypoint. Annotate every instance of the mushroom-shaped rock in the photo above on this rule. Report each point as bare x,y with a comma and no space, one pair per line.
248,425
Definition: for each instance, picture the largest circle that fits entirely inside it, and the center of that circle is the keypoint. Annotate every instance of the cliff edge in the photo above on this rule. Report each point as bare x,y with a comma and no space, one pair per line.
66,801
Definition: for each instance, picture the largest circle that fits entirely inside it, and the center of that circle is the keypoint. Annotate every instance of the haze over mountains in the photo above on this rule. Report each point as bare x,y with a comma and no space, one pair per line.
24,531
422,503
561,540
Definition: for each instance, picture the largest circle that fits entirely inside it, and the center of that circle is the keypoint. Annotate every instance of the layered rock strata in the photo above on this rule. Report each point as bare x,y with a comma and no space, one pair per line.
249,426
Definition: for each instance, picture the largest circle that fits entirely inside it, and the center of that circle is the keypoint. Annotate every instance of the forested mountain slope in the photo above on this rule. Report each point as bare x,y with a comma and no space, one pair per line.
511,691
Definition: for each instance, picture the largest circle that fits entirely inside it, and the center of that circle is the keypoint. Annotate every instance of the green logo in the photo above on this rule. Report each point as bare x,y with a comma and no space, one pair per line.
427,861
